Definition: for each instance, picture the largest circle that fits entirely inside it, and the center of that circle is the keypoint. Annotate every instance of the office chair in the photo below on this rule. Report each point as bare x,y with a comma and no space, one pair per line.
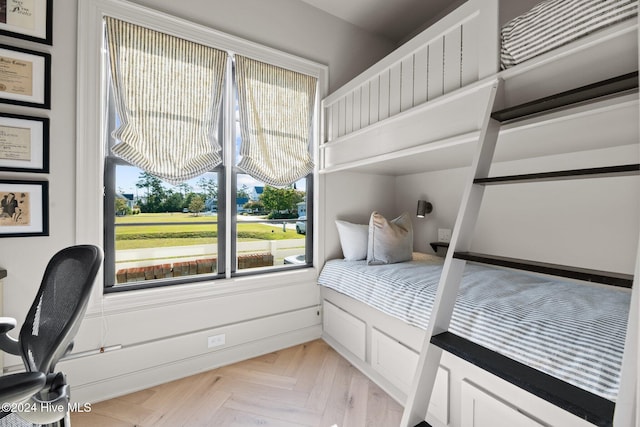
48,332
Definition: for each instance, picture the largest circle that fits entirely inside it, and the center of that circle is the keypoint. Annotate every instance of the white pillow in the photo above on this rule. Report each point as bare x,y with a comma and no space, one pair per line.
389,241
353,239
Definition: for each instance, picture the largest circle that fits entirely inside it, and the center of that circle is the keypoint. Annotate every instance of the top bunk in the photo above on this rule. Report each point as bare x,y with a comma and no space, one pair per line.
421,107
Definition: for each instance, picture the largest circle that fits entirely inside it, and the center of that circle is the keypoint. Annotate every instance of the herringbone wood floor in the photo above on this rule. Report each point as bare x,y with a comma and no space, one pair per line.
305,385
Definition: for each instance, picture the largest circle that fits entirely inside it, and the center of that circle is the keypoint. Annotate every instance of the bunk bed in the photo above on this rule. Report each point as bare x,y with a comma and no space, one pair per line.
426,106
510,312
398,112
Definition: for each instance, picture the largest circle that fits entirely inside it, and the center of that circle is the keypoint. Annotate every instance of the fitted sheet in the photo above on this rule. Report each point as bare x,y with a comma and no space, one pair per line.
572,331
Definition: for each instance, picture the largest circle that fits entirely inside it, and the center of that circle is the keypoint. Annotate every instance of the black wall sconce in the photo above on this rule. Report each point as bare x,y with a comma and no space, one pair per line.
424,208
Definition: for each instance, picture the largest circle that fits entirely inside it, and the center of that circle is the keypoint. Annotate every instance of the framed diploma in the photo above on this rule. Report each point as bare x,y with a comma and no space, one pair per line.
27,19
24,208
24,143
25,77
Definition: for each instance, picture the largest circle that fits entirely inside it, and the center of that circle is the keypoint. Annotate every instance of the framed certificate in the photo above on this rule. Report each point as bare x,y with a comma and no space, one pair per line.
24,208
25,77
24,143
27,19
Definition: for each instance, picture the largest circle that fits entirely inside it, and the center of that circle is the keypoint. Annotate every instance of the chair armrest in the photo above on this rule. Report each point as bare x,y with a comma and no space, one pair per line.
16,388
8,344
7,324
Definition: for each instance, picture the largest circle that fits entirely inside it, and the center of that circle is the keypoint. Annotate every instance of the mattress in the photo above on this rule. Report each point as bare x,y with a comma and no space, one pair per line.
572,331
554,23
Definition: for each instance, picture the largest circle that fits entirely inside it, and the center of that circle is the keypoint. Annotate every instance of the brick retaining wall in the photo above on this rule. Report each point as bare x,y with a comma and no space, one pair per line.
188,268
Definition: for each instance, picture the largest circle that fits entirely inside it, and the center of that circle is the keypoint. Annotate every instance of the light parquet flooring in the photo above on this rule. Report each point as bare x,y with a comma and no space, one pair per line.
305,385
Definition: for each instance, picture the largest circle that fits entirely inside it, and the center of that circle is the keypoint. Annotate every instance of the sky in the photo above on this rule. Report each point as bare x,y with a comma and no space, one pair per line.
128,176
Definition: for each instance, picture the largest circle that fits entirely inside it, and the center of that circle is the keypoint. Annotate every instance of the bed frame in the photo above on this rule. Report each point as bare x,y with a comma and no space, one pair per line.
387,351
397,116
448,70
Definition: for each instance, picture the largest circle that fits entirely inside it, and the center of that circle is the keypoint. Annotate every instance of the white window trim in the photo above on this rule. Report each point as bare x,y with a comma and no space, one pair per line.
90,132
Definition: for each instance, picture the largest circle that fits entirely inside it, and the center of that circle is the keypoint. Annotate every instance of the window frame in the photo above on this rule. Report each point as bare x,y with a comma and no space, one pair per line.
91,118
308,243
110,284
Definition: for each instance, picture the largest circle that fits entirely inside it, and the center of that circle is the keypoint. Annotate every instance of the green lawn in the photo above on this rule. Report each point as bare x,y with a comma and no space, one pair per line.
160,243
164,217
185,233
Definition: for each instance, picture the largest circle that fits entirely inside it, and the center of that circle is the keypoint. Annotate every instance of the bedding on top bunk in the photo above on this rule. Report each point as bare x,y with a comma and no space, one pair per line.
571,331
554,23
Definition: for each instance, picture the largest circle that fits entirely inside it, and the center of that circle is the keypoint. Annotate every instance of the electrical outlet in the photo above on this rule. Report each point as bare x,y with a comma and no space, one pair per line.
444,235
216,340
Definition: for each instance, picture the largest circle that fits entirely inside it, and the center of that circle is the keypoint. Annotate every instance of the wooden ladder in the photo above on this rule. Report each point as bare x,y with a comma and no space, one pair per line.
437,335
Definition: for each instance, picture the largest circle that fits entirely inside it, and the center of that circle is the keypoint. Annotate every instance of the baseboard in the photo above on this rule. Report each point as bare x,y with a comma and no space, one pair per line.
118,386
103,376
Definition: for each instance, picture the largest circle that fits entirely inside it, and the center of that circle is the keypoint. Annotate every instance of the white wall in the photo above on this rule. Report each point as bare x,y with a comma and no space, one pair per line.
167,339
25,257
443,189
510,9
352,197
288,25
590,223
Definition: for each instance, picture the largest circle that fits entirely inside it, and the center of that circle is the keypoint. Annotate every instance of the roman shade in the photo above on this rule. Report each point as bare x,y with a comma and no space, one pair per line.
167,92
275,113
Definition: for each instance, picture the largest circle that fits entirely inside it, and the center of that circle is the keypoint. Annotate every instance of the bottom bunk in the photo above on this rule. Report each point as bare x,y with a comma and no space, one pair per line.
572,332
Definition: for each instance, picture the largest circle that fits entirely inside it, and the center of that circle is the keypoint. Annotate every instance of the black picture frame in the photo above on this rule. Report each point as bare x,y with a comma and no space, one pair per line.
25,77
33,24
16,153
29,214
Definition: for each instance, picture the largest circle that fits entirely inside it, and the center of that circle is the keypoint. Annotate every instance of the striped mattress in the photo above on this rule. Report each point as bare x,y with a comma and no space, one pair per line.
571,331
554,23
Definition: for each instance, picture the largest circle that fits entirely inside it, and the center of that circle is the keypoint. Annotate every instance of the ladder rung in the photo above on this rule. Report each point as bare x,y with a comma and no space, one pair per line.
601,172
590,92
588,406
585,274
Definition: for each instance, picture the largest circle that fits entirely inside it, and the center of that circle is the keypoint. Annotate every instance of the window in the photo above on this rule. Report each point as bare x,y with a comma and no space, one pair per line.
217,224
156,233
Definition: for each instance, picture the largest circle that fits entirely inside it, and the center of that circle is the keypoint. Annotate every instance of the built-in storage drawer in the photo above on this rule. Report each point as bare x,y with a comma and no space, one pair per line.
394,361
482,409
397,363
345,329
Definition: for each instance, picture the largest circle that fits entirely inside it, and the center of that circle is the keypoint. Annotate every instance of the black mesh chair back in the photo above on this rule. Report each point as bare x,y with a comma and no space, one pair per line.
55,316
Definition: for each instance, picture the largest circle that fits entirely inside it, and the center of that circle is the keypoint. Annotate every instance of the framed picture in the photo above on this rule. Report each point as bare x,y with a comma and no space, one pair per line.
24,143
25,77
24,208
27,19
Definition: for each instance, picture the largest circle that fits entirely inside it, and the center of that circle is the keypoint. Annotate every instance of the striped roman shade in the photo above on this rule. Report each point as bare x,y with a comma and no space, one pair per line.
167,94
276,109
554,23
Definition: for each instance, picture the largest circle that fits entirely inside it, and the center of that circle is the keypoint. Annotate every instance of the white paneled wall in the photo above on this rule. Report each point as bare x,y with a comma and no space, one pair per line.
444,64
458,50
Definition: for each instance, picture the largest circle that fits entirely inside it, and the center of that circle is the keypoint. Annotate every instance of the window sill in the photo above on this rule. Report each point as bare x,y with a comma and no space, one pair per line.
170,295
